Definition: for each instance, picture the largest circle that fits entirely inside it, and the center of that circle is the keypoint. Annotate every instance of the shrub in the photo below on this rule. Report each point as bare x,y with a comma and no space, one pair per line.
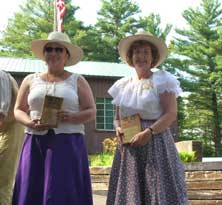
109,145
208,150
187,157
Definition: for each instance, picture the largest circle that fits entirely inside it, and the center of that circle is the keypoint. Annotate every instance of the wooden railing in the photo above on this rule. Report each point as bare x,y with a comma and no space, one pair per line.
204,182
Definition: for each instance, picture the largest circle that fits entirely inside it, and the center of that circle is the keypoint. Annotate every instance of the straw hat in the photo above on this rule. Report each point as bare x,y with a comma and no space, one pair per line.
126,42
76,53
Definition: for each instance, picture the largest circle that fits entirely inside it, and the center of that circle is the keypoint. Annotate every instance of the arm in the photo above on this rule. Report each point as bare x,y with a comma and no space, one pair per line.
116,123
5,93
21,105
21,108
14,91
9,90
169,104
87,105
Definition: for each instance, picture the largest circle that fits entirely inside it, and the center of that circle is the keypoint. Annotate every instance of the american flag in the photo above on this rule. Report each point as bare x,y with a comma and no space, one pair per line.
60,10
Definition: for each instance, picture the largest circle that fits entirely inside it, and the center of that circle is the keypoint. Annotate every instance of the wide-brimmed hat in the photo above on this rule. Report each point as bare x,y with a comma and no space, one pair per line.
126,42
76,53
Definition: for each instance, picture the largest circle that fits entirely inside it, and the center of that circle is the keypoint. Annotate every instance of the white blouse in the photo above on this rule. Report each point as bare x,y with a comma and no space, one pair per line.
5,92
67,89
142,96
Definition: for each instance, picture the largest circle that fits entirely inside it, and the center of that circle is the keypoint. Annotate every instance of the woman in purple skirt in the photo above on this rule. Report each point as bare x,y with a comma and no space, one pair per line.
53,167
147,170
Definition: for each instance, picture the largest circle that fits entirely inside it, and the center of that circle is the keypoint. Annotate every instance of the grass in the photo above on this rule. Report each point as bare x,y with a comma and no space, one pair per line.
106,159
103,159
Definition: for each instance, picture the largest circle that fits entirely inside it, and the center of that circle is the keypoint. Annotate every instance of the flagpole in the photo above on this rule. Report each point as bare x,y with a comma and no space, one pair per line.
55,26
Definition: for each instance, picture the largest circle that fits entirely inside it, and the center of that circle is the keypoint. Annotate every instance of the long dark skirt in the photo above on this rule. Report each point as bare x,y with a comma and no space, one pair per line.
53,170
148,175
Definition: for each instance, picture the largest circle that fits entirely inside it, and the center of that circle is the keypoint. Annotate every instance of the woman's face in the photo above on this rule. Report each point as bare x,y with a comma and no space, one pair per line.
55,55
142,57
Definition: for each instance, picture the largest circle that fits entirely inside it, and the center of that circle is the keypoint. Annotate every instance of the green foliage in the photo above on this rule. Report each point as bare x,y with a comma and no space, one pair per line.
109,145
103,159
187,157
152,23
33,21
199,48
115,19
208,150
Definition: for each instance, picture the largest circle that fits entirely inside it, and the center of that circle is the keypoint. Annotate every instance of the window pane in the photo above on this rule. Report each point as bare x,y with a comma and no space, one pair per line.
99,119
105,114
100,113
109,120
109,113
99,100
108,100
109,126
100,126
100,107
109,107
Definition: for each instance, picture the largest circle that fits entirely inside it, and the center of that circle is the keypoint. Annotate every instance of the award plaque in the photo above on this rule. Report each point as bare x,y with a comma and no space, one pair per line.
130,126
51,106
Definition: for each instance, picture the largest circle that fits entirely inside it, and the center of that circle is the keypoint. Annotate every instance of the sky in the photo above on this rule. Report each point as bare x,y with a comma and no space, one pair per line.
169,10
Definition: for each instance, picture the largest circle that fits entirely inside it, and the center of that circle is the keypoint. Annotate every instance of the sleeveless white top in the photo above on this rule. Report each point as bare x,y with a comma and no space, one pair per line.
5,93
66,89
142,96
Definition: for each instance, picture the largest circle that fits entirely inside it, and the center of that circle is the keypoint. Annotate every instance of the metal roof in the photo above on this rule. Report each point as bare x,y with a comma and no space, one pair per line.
88,68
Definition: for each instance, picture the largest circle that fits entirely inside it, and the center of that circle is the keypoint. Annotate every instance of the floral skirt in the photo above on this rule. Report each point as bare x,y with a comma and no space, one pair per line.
53,170
148,175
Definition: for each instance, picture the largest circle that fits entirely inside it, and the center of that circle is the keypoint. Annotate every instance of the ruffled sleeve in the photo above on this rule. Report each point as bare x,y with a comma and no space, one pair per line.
165,81
5,93
117,89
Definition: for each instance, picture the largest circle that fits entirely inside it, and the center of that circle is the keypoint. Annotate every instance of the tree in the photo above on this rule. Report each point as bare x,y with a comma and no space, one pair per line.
34,21
199,48
116,19
152,24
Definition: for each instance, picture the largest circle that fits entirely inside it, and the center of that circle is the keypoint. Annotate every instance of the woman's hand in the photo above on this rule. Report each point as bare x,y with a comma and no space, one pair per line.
120,135
35,124
141,138
66,116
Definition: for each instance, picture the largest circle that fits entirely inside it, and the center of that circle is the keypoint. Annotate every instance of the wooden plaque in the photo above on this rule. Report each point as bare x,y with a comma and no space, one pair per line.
130,125
51,106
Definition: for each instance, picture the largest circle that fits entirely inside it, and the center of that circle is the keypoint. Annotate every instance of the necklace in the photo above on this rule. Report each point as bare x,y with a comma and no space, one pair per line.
51,84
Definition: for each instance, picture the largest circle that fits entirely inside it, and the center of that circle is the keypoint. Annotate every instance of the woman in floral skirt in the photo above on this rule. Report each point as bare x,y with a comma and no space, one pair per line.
147,170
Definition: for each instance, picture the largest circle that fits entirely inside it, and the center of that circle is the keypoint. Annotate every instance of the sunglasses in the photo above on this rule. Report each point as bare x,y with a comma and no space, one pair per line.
57,49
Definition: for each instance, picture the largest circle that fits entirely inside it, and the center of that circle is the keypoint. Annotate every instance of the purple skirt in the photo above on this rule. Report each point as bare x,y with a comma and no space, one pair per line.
53,170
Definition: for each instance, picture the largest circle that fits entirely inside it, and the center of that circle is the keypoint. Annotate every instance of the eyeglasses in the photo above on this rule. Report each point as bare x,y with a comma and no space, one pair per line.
57,49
